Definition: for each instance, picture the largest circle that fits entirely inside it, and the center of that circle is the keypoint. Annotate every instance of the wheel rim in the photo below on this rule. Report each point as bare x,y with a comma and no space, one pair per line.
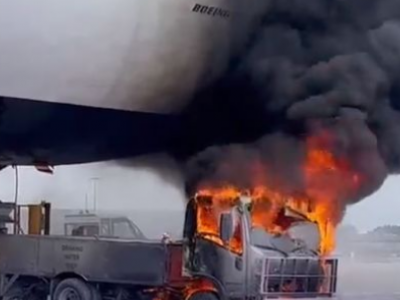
69,294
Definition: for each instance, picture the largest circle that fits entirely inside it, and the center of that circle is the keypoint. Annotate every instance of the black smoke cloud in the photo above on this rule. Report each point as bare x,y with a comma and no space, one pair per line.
333,64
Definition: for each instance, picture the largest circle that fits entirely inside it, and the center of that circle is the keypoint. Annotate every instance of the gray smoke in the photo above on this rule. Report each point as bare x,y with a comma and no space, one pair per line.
331,65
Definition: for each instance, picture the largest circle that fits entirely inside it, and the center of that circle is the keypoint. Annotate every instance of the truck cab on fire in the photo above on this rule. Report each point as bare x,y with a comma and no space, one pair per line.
248,262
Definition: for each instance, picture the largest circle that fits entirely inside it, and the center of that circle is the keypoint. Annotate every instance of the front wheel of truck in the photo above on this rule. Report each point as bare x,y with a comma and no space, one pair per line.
73,289
203,296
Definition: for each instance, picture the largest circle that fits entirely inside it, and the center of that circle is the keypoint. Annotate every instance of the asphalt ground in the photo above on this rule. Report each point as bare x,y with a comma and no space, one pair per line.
369,280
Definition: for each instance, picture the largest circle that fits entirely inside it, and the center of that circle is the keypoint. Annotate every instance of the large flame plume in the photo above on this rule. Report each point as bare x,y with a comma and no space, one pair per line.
328,183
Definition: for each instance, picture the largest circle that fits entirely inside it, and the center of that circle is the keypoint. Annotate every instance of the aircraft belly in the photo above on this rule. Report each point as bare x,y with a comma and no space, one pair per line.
129,55
59,134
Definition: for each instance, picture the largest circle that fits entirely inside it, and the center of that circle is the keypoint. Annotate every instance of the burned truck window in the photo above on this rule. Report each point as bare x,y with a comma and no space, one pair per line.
270,217
207,221
208,227
236,243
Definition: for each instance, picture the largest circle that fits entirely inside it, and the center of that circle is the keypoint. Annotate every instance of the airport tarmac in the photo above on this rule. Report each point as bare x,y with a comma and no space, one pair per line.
369,280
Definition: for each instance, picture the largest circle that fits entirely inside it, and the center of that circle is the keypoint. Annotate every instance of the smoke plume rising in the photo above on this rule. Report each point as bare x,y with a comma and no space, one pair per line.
317,65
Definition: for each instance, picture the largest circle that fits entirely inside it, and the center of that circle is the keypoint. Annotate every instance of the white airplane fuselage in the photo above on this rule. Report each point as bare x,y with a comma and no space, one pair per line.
64,61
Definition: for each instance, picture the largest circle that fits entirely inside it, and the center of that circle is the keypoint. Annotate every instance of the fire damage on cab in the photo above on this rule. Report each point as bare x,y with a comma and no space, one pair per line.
220,244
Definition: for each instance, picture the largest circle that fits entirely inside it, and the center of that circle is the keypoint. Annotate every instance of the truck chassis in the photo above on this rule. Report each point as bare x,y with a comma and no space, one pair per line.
40,262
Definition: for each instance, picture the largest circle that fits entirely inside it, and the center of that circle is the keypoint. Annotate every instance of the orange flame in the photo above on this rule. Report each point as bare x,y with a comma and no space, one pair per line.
211,204
328,181
191,287
198,285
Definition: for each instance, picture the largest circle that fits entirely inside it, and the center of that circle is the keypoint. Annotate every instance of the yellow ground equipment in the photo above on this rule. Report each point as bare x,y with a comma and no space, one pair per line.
39,218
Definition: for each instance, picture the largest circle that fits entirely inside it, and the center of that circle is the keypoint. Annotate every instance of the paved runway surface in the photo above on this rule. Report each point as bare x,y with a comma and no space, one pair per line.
365,297
369,281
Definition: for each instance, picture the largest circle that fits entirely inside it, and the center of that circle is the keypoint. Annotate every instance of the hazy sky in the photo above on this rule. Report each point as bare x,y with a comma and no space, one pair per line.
117,187
381,208
135,188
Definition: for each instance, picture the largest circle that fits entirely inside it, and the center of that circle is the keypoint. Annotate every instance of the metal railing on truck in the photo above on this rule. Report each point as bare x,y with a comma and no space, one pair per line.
298,277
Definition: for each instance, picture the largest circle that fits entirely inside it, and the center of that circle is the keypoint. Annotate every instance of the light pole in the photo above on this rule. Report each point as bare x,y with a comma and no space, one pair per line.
94,181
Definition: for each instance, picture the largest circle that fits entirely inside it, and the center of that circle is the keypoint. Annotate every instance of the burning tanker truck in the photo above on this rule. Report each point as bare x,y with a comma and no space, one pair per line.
224,254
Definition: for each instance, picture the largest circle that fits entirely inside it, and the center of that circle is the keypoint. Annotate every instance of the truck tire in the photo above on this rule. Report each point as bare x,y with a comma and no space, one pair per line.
73,289
203,296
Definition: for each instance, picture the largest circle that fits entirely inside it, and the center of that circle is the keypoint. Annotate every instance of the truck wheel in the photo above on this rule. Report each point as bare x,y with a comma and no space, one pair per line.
203,296
73,289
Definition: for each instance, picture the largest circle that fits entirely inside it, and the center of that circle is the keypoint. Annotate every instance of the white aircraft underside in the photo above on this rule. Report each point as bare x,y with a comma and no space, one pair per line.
131,56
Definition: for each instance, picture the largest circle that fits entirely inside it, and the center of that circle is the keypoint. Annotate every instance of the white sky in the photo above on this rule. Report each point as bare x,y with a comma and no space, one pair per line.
381,208
136,188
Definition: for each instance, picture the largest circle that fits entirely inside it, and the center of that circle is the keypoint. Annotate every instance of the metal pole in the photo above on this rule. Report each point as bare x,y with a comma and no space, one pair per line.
95,181
86,203
16,214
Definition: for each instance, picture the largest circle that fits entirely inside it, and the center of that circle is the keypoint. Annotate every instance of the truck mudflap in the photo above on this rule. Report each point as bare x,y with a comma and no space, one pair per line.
298,277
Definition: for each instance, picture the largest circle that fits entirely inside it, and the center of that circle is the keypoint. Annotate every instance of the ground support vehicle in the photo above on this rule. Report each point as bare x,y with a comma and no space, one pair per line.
237,262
